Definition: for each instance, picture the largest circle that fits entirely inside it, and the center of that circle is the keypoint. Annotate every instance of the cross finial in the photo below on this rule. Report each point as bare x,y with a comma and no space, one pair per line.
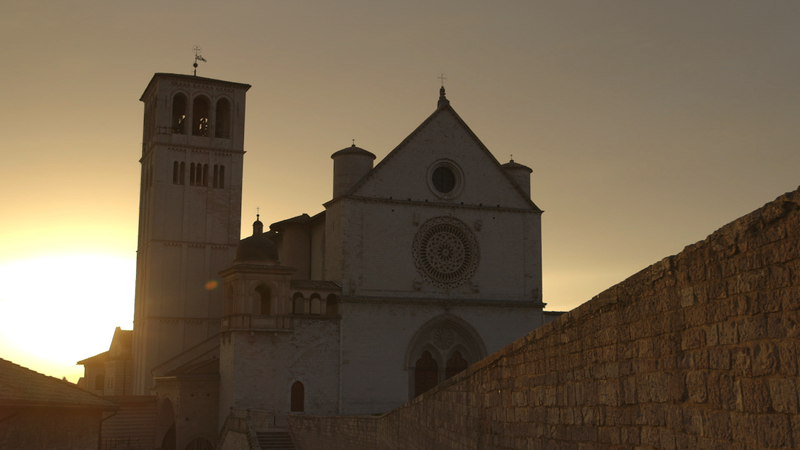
258,212
354,142
442,78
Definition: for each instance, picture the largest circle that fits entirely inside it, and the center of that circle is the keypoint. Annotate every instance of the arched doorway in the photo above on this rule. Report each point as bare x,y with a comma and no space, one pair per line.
166,437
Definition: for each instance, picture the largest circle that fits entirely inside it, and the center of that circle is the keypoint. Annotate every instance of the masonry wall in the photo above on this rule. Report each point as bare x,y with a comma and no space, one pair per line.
697,351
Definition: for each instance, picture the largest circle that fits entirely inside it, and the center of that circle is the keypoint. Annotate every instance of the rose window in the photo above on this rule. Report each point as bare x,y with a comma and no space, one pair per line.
445,252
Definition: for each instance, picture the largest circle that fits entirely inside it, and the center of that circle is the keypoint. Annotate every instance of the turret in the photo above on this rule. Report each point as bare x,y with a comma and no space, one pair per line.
349,166
521,174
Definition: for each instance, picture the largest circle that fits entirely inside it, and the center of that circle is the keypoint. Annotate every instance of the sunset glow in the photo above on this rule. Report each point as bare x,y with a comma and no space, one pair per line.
647,127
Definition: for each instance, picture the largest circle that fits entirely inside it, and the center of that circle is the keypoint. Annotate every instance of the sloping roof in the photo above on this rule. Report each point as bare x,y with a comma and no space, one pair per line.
20,386
208,367
99,358
444,108
192,79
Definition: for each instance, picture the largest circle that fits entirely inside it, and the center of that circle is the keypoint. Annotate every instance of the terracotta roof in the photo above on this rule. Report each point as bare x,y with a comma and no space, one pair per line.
24,387
99,358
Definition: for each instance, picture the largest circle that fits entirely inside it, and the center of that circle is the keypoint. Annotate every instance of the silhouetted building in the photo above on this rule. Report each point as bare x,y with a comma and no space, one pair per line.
416,268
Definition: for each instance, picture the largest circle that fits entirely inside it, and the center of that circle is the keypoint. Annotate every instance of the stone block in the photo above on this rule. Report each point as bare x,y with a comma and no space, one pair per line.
719,358
764,357
755,395
728,332
717,425
774,431
696,387
722,391
740,361
783,393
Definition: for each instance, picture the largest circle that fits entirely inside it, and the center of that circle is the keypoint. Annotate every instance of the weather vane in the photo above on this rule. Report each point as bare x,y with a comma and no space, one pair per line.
197,57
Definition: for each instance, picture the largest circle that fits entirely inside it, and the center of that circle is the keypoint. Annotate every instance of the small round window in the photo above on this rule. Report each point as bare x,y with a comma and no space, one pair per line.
444,180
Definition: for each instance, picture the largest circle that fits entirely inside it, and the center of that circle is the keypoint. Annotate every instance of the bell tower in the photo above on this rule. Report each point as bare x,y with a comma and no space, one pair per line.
189,214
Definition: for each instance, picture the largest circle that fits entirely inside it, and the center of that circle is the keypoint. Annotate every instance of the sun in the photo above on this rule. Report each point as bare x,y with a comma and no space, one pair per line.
57,310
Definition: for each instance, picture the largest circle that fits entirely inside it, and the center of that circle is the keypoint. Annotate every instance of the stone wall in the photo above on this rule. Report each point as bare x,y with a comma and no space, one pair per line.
699,350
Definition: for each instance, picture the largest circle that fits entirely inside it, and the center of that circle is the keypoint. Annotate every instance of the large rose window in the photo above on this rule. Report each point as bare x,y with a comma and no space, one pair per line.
445,252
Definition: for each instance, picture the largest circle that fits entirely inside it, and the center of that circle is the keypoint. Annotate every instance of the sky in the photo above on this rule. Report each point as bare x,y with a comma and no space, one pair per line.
648,125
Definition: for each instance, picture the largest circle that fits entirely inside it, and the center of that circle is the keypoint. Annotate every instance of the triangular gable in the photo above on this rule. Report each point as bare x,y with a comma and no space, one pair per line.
443,135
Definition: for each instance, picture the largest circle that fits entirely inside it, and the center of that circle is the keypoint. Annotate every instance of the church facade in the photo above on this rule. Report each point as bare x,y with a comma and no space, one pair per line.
416,268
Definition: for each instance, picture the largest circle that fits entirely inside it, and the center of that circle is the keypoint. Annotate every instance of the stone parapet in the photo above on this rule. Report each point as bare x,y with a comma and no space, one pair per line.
699,350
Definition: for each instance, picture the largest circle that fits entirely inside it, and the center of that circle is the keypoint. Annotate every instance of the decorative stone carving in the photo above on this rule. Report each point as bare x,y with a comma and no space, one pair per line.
445,252
443,338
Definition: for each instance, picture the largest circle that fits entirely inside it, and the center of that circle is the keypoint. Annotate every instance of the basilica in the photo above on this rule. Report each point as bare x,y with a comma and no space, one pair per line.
417,267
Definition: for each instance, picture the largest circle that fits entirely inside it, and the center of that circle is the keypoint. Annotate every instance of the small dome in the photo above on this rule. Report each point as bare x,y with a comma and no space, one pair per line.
257,247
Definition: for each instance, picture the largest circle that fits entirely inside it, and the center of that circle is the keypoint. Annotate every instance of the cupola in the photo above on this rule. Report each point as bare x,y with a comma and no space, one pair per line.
256,249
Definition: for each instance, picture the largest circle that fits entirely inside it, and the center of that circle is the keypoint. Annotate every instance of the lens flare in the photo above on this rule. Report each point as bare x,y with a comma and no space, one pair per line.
211,285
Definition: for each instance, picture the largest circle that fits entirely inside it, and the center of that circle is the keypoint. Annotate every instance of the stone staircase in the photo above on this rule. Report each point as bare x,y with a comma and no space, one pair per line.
274,440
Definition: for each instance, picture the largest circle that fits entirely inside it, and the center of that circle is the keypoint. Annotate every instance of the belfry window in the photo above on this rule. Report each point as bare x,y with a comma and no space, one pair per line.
426,374
222,127
100,382
200,117
219,176
179,114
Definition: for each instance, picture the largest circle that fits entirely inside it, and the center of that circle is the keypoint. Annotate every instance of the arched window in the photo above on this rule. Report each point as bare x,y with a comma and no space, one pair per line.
100,382
332,305
182,170
315,306
205,175
216,175
298,397
223,123
426,374
455,364
179,114
265,302
221,176
200,117
297,303
192,174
